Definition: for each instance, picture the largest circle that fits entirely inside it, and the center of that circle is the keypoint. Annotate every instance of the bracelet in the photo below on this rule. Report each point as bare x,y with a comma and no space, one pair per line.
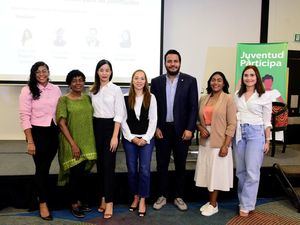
30,142
268,139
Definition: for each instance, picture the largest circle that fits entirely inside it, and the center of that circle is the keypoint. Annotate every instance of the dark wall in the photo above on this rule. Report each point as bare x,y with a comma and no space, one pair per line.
18,191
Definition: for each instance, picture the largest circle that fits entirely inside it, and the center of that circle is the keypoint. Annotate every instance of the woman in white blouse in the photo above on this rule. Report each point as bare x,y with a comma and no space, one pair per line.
254,108
108,104
138,128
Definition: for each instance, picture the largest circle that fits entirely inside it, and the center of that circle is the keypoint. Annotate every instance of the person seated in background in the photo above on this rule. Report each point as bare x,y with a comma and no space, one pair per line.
138,126
217,114
77,150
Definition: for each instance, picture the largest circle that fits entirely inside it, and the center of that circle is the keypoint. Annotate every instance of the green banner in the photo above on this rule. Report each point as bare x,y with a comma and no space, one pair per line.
271,60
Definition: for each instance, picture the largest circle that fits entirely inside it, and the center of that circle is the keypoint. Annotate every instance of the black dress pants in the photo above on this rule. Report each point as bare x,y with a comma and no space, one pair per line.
164,147
78,183
46,144
106,160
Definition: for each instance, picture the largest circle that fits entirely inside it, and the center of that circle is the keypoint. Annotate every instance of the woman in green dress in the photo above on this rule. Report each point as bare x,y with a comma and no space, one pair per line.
77,151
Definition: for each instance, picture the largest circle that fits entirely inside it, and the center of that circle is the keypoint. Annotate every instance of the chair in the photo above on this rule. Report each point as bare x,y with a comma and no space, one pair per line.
279,123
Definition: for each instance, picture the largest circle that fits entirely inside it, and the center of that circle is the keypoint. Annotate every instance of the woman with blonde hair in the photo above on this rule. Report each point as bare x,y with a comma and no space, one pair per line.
138,128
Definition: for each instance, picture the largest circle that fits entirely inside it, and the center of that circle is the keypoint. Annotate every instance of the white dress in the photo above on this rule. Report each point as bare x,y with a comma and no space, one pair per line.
213,171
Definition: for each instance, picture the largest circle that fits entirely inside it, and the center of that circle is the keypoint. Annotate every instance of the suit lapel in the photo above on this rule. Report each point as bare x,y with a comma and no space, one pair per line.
163,94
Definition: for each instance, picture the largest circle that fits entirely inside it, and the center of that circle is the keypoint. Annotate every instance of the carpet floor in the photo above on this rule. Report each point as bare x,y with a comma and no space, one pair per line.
268,211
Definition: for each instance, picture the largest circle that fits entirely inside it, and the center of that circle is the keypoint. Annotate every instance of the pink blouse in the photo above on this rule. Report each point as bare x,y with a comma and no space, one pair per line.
38,112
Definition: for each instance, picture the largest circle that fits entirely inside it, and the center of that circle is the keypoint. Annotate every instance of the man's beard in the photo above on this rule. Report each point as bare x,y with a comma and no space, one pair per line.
172,73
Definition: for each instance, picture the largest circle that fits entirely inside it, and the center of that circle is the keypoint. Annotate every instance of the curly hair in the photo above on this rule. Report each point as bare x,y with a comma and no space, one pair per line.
32,82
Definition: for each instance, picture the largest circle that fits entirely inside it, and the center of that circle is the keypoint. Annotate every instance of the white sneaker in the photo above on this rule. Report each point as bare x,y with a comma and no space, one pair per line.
180,204
160,202
210,210
204,207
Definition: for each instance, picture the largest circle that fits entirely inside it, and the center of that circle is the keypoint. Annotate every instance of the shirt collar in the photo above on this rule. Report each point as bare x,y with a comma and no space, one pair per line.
49,86
108,84
175,79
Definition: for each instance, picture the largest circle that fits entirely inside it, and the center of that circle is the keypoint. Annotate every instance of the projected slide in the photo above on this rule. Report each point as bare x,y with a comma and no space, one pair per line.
76,34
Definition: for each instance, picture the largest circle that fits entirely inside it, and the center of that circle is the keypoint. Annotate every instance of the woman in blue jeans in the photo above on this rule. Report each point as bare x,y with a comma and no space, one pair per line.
138,129
254,108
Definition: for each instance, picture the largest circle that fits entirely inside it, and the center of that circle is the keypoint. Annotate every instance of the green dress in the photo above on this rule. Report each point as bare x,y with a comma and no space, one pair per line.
79,117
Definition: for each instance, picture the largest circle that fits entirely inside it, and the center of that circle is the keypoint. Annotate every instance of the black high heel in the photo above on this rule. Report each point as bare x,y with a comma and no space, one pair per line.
132,209
48,218
142,214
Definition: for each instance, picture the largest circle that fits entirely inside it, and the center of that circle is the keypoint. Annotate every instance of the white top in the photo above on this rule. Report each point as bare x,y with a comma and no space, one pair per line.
256,111
152,116
109,103
274,94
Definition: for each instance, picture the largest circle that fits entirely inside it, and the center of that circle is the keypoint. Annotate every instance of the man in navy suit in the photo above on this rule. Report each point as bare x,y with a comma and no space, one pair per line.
177,105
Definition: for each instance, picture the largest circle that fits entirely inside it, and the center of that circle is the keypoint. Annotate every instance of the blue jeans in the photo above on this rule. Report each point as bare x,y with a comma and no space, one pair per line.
138,160
249,154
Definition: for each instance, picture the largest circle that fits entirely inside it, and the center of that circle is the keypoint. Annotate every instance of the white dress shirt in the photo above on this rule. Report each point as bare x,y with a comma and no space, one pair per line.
109,103
255,111
152,116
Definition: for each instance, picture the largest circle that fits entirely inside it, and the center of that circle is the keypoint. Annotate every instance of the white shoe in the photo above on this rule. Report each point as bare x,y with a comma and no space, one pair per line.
160,202
204,207
180,204
210,210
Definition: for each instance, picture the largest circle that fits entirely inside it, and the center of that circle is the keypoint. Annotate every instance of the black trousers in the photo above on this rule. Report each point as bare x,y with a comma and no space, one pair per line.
106,160
46,144
78,183
171,143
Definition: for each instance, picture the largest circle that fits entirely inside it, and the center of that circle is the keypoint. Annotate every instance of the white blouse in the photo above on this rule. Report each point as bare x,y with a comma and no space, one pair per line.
152,116
255,111
109,103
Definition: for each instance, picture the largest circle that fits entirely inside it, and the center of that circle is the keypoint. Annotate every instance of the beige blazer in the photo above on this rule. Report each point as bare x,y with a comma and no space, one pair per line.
223,119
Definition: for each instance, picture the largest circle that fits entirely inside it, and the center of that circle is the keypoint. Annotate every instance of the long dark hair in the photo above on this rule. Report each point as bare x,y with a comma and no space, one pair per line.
146,92
32,82
226,84
96,86
259,87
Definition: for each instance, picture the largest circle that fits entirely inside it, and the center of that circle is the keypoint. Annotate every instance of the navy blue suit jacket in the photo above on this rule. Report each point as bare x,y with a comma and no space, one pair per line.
185,108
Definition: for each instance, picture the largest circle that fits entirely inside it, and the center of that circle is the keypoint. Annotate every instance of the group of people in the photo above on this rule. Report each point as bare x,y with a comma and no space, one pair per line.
85,128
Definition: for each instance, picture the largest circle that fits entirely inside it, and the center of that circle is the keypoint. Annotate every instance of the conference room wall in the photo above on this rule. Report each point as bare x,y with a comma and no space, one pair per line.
205,32
284,20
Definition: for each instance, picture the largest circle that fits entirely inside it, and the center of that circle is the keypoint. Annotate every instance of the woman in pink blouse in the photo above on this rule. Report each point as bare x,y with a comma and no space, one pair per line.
37,106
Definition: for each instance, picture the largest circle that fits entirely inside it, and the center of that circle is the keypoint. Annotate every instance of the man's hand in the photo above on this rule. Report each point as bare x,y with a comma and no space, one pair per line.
158,134
187,135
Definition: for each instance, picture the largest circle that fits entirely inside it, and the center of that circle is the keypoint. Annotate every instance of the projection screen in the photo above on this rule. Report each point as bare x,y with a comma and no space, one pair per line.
76,34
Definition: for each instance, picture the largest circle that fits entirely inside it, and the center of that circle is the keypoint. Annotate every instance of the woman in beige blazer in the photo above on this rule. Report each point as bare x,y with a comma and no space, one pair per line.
217,114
